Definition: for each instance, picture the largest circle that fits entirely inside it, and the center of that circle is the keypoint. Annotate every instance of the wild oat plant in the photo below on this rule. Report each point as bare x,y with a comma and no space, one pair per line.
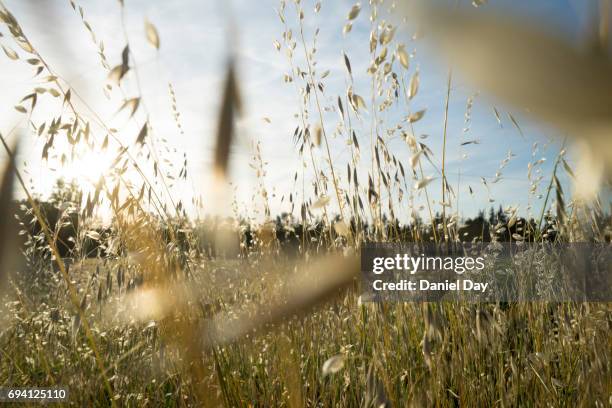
155,308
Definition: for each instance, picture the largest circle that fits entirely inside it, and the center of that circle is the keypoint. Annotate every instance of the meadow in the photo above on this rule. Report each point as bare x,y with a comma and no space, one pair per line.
116,291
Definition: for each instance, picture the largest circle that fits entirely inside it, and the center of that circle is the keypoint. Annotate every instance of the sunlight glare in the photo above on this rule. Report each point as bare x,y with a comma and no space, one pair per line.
86,168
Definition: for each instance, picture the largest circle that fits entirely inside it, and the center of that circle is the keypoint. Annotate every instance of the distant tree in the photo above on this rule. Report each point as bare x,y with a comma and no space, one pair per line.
501,216
481,216
475,229
491,216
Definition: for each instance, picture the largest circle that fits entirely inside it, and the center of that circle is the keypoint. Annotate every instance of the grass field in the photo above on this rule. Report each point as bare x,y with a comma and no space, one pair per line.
116,290
447,354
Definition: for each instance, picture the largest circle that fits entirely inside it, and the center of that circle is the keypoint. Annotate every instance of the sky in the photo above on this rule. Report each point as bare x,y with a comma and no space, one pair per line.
196,40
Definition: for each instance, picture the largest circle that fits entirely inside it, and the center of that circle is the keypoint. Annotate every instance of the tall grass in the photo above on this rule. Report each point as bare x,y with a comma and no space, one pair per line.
159,318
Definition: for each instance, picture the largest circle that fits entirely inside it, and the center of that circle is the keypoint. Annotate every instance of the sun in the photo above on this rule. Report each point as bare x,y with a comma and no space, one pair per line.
86,168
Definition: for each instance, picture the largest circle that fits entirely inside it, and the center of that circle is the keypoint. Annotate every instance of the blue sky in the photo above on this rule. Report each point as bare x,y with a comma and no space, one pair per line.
195,44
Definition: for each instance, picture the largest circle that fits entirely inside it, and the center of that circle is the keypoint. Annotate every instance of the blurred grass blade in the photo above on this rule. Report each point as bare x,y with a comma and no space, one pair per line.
230,104
7,232
525,66
532,69
318,283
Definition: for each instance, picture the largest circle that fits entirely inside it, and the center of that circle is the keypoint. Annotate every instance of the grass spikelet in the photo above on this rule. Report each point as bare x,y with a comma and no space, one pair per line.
230,105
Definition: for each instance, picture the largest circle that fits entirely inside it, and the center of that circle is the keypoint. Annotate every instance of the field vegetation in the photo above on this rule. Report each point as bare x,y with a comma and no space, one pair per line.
154,307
